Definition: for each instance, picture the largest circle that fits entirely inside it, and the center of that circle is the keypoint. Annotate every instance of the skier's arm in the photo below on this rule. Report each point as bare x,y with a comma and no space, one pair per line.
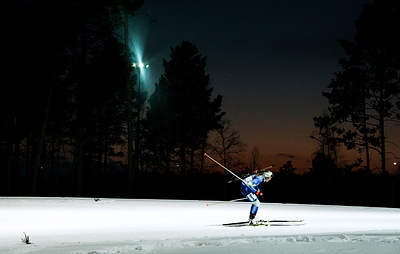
252,189
253,185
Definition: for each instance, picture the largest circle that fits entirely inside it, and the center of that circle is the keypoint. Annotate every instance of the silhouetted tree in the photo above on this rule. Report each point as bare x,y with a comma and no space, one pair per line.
348,98
68,102
327,174
227,147
125,9
365,92
255,159
183,97
93,44
327,136
325,161
44,53
158,131
287,169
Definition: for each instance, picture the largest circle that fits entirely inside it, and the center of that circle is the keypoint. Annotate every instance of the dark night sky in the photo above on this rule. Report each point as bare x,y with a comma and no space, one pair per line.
270,60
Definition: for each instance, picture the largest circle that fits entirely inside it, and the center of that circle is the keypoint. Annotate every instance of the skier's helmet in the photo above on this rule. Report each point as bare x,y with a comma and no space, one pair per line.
267,174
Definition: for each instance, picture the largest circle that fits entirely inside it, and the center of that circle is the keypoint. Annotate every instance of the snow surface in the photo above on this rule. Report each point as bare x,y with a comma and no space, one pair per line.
82,225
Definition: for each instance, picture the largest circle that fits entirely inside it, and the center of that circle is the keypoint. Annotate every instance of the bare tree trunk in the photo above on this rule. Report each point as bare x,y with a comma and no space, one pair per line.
131,172
255,158
366,143
183,160
382,130
42,135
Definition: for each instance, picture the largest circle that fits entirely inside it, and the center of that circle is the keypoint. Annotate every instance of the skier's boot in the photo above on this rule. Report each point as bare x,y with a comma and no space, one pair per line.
252,220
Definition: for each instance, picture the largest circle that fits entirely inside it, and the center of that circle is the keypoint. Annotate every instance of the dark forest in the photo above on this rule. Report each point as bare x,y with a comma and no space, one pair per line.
75,121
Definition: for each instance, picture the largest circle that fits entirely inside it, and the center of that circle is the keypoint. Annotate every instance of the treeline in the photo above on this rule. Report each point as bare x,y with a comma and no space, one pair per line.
364,97
359,188
334,185
364,103
65,96
75,121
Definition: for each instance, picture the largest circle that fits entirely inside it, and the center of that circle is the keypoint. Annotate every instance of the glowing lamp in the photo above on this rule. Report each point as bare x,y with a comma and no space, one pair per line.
140,65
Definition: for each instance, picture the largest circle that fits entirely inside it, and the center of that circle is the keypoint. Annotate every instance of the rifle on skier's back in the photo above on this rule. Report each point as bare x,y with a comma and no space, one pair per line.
255,172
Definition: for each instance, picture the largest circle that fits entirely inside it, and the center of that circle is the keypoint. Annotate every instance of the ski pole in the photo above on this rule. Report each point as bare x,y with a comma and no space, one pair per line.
205,154
223,202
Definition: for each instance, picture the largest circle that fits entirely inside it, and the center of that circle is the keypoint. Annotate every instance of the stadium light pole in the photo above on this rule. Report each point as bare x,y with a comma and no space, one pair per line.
139,66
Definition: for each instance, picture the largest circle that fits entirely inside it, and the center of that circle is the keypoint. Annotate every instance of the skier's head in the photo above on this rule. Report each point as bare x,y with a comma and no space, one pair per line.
267,176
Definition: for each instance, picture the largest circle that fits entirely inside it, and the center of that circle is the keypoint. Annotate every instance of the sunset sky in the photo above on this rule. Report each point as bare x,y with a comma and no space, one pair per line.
270,60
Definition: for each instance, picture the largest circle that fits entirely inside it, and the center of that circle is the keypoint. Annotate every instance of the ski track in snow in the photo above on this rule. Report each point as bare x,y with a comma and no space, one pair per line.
81,225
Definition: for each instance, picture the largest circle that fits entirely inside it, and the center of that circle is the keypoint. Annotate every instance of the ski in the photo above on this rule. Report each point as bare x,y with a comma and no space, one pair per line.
255,172
266,223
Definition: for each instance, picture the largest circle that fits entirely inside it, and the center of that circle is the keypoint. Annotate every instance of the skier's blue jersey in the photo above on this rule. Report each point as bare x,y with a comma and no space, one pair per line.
250,184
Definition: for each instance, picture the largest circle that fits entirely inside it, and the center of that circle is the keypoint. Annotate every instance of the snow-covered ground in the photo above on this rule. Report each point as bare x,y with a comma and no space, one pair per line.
81,225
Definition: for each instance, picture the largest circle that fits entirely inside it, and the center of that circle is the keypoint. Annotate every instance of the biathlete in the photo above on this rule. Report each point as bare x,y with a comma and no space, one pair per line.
252,192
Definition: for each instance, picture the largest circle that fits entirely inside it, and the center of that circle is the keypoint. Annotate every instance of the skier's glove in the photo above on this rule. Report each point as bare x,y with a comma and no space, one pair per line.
259,194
